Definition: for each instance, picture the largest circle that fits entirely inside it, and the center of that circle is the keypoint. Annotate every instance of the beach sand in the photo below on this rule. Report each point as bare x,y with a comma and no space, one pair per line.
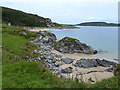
95,76
43,29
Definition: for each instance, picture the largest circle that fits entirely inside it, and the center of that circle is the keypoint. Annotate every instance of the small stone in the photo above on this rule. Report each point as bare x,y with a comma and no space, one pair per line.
59,73
67,70
67,60
79,73
57,64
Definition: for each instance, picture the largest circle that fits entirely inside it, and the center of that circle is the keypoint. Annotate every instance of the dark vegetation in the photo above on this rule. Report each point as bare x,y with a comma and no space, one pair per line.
20,18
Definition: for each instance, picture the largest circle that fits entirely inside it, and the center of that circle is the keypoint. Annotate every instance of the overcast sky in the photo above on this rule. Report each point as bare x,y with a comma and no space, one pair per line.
68,11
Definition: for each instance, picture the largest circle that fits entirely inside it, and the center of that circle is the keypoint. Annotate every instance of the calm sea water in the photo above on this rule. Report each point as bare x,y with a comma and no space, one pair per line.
104,39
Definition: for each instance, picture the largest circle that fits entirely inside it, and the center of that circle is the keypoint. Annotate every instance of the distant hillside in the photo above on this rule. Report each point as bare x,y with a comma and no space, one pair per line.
97,24
16,17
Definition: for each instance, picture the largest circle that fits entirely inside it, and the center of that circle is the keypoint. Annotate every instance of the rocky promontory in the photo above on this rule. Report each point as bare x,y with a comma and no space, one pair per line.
71,45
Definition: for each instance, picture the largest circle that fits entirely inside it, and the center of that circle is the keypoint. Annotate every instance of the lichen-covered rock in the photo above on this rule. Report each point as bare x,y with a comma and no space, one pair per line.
71,45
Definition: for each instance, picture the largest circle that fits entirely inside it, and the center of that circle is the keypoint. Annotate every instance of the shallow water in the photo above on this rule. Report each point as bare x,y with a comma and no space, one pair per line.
104,39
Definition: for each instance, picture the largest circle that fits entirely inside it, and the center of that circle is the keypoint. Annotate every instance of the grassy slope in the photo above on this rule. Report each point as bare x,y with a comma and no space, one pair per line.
17,17
21,74
20,18
13,42
12,45
30,74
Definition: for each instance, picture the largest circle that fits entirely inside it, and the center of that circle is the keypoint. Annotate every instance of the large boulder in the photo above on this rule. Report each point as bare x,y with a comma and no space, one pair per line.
85,63
89,63
71,45
67,60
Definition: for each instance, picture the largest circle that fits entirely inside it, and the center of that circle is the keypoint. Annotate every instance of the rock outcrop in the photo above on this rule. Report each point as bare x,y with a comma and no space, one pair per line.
89,63
71,45
45,40
67,60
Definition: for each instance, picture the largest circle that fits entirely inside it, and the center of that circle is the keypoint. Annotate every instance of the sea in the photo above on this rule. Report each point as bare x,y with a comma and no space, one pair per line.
102,38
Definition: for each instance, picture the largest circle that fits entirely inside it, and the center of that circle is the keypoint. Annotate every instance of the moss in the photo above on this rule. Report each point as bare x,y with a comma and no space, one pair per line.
71,39
68,38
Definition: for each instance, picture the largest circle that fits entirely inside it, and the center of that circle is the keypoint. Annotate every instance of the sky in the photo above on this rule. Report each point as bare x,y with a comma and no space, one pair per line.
68,11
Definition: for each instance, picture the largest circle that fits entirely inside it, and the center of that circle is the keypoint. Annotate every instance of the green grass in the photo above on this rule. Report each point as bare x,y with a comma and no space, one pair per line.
13,42
15,47
31,75
106,83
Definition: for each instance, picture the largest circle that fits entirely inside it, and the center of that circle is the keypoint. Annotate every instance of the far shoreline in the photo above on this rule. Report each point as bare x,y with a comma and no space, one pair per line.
37,29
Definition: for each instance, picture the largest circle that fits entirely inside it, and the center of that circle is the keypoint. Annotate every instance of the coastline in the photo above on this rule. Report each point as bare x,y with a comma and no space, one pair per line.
44,29
97,74
50,29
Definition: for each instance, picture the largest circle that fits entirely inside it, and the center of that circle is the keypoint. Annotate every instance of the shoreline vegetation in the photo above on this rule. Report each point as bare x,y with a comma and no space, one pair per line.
36,60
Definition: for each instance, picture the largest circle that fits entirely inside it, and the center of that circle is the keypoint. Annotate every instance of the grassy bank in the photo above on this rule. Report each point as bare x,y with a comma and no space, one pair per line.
19,73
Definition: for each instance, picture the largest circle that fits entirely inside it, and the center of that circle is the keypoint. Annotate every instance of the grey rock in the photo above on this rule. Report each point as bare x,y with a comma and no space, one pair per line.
105,63
79,73
109,69
67,70
58,56
58,59
54,60
89,63
57,64
67,60
85,63
71,45
59,73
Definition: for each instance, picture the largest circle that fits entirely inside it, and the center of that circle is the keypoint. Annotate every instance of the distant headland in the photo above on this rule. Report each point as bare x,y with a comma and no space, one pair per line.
98,24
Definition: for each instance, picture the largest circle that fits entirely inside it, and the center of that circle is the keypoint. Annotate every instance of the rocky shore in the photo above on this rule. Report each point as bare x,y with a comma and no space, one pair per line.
88,70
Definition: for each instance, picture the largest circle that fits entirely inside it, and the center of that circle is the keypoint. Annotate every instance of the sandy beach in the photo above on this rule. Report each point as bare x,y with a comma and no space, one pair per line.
78,56
43,29
96,76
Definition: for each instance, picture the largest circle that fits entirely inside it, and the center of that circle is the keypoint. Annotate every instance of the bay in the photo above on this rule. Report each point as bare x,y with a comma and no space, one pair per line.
104,39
